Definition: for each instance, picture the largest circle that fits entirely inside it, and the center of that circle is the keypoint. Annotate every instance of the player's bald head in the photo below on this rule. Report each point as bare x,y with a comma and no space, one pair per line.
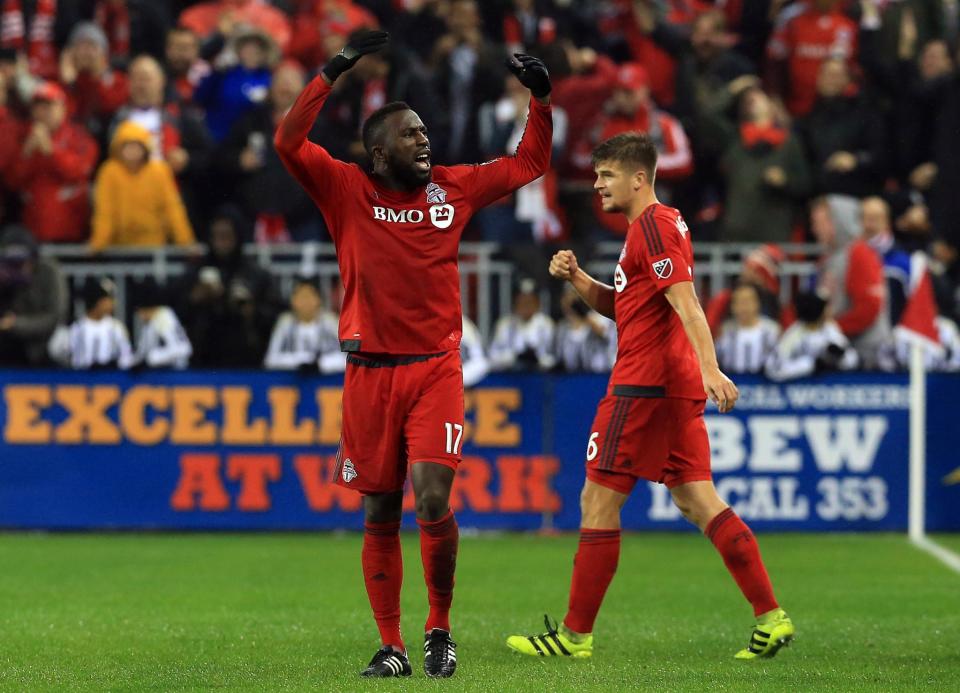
631,150
381,122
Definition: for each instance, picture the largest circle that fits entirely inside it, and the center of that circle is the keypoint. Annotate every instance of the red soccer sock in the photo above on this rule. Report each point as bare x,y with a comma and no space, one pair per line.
382,562
740,552
593,569
438,549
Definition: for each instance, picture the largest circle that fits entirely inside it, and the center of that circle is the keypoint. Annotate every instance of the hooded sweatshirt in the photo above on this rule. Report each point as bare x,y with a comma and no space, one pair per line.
141,208
852,274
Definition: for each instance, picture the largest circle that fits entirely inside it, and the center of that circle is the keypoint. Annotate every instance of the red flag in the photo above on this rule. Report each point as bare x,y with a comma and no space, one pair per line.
918,321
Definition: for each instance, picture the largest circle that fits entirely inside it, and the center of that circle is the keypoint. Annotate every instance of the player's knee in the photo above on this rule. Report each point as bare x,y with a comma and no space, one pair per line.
432,503
383,508
598,511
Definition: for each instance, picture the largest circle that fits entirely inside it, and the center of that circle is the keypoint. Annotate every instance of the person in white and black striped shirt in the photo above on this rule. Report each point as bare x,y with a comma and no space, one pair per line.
161,341
474,358
524,339
813,344
97,339
586,341
305,338
748,338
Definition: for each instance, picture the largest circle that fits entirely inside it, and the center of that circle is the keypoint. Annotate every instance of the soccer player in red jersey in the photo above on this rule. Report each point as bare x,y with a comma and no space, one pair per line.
650,425
397,231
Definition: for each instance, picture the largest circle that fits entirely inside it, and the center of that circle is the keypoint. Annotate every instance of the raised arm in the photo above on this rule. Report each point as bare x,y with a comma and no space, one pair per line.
310,163
719,387
488,182
597,295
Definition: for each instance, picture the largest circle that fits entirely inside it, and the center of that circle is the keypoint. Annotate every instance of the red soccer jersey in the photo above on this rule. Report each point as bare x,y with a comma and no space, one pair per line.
653,349
398,251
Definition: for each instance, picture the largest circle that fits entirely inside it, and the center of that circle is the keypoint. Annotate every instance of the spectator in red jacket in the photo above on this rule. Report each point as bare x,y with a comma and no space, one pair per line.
851,275
184,67
807,33
207,18
631,109
53,170
95,90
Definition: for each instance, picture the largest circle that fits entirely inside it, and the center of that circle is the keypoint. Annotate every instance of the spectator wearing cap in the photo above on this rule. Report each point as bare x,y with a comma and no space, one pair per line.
98,340
524,339
806,34
95,90
208,18
33,299
136,200
319,30
851,275
762,164
179,135
761,269
184,67
747,339
305,338
160,339
843,135
229,93
630,108
813,344
53,170
261,185
227,299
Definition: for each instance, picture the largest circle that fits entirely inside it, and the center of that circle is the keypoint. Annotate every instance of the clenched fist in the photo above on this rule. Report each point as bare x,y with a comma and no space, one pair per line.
564,265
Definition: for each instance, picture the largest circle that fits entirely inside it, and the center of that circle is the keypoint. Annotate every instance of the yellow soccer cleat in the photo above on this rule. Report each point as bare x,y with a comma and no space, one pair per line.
553,643
768,637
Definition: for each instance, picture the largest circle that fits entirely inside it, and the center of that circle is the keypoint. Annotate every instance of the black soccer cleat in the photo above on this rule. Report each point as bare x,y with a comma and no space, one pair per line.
439,654
388,663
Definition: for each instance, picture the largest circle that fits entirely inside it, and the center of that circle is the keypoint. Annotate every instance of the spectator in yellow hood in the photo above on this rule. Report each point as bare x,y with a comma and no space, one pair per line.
136,201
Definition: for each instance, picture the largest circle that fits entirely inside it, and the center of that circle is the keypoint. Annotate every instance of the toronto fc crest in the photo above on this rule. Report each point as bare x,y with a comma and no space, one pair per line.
435,194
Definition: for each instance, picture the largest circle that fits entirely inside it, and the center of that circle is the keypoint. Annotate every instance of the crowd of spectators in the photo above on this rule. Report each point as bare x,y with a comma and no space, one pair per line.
150,122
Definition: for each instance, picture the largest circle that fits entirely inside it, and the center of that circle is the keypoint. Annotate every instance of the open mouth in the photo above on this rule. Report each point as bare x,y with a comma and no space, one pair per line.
422,161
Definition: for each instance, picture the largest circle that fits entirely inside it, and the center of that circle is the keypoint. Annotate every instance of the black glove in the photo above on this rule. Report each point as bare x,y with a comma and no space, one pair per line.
531,72
830,358
368,42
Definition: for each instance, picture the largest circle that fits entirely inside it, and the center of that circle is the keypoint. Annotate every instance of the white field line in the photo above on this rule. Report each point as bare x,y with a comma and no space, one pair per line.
949,558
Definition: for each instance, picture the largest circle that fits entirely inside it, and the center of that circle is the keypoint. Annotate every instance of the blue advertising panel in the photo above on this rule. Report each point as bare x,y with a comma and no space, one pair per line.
202,450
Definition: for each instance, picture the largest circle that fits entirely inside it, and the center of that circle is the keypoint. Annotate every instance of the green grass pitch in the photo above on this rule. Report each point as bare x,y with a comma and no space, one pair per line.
288,612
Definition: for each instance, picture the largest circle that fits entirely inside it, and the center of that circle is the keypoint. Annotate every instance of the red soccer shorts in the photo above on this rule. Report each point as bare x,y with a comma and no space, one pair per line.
397,411
638,434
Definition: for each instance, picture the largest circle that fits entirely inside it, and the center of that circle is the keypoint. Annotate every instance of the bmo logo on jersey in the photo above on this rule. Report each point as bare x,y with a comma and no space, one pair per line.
441,216
398,216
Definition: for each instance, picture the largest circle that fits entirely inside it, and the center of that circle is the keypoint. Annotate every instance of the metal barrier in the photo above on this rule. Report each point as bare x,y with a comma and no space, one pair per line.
486,281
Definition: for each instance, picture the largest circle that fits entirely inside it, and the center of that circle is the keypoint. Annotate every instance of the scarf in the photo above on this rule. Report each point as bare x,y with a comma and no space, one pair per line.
753,134
114,19
40,49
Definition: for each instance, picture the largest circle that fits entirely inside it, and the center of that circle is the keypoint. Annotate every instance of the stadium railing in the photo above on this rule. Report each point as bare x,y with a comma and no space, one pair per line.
486,279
